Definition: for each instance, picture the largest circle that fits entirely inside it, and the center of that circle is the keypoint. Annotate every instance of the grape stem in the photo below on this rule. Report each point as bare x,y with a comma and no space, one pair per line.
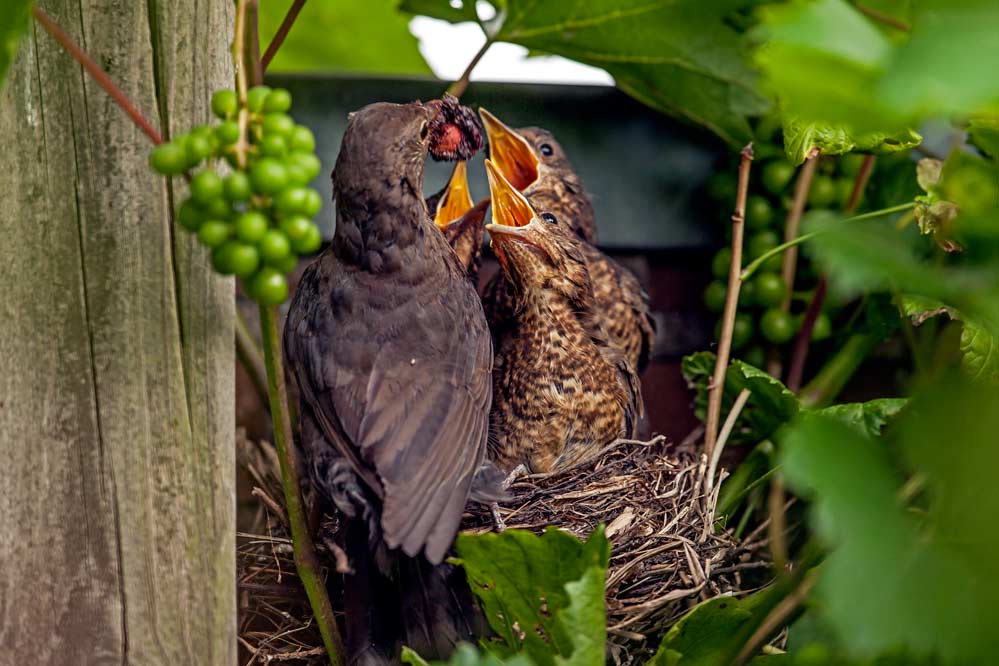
282,33
98,74
461,85
251,357
731,302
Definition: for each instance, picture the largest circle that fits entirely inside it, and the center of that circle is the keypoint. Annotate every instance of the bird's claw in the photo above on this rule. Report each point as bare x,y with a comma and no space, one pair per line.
497,518
517,472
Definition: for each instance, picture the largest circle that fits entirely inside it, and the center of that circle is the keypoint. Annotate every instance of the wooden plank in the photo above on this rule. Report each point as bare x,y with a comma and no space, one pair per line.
116,364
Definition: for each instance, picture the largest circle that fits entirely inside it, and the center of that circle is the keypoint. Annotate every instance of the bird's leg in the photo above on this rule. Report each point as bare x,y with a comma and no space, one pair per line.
497,518
517,472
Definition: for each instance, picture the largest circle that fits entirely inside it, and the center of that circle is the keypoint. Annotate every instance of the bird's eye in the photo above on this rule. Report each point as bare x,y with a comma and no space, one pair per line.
546,149
424,130
549,218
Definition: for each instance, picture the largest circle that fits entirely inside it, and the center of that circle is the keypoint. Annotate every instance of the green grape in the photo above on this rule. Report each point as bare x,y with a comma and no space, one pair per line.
268,176
747,294
755,356
218,209
274,247
222,258
255,98
288,264
759,212
742,330
313,203
279,99
213,233
823,192
762,242
168,159
720,264
845,188
302,140
206,185
279,124
225,103
190,215
307,162
272,145
291,200
269,286
310,242
251,226
822,328
850,163
714,296
777,326
227,132
237,186
776,176
770,289
296,227
244,259
198,148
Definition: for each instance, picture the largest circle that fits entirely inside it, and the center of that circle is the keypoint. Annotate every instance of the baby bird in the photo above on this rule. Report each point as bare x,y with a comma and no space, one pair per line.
560,391
460,220
534,163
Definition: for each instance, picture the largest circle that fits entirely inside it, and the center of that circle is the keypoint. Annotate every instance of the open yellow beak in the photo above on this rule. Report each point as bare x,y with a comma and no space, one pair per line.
511,152
510,207
457,199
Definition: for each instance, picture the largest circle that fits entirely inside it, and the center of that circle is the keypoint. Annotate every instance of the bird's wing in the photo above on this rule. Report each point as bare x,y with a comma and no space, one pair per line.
637,299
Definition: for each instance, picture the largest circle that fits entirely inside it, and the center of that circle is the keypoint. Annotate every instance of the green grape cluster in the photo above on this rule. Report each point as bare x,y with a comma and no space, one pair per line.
760,319
258,217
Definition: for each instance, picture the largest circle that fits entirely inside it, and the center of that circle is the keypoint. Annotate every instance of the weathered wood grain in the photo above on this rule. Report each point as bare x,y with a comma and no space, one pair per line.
116,365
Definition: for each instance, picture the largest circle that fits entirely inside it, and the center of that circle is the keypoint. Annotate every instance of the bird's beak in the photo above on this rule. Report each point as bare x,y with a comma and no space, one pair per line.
510,152
510,207
457,200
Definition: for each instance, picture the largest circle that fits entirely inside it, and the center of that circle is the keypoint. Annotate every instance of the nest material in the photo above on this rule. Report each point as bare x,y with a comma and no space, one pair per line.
666,555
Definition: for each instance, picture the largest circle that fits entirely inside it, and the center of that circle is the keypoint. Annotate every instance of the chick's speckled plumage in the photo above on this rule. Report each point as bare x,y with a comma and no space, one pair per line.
560,390
621,302
388,341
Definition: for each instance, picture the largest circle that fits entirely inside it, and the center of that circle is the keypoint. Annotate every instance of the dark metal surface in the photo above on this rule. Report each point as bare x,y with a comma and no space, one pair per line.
644,171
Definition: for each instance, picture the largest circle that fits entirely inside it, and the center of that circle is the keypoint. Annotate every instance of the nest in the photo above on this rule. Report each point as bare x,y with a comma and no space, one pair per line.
653,499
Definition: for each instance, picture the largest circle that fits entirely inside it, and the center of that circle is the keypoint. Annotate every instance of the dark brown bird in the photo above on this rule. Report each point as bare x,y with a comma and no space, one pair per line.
535,164
560,391
460,220
389,344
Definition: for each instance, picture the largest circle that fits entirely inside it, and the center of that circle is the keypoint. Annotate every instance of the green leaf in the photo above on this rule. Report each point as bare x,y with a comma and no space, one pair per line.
867,418
770,404
680,57
438,9
928,580
802,138
979,348
983,132
467,655
370,37
542,595
14,21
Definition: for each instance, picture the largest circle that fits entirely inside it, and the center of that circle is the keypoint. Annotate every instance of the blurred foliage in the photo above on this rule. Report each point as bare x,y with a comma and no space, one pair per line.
14,21
802,139
365,37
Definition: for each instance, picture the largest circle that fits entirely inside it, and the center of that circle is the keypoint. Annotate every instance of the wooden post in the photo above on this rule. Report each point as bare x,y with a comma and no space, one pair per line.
117,499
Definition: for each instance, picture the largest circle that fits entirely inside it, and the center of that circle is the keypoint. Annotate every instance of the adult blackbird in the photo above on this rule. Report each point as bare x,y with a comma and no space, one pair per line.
534,163
560,391
389,345
460,220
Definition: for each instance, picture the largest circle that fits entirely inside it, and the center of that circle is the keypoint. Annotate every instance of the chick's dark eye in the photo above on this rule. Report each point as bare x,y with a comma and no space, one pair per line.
546,149
549,218
424,129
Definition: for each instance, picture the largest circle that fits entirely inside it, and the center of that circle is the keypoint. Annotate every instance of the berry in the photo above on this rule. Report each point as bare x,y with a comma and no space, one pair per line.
227,132
761,243
243,259
272,145
255,98
274,248
292,200
310,242
218,209
225,103
759,212
720,264
213,233
747,293
777,326
288,264
206,186
306,164
168,159
190,215
279,124
222,258
251,226
269,286
776,176
279,99
823,192
296,227
313,203
268,176
770,289
198,148
237,186
845,188
302,140
822,328
742,330
714,296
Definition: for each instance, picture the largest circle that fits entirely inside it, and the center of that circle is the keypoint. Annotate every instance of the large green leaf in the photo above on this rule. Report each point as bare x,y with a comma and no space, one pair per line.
681,57
465,11
928,580
979,348
14,21
770,404
542,595
369,37
802,138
